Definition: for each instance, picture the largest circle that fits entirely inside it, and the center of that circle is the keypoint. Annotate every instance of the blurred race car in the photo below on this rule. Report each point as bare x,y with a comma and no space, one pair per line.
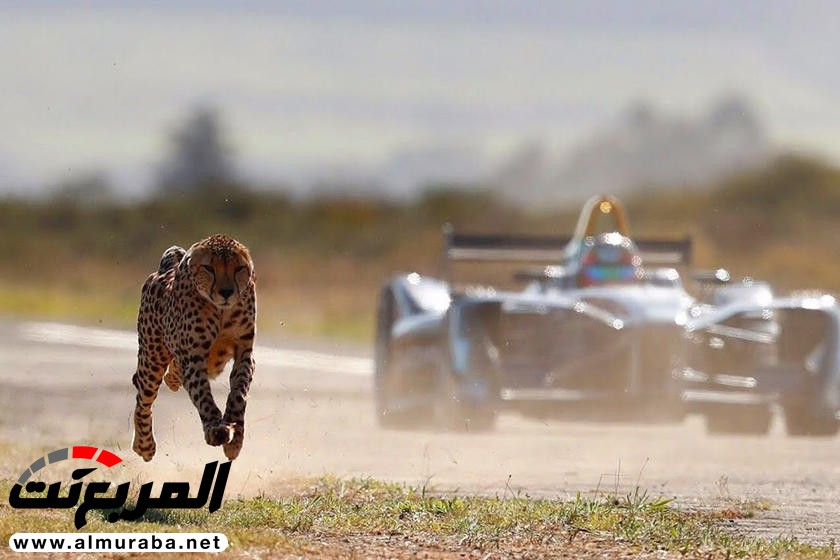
603,330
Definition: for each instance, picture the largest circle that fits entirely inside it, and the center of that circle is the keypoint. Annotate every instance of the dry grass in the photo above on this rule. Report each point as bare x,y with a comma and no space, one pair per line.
353,518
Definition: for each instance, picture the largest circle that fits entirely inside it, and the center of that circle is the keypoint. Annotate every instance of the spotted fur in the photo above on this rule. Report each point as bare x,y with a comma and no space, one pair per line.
197,312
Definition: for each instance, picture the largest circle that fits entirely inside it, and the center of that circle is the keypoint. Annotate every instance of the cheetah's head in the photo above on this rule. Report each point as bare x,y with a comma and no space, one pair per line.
221,269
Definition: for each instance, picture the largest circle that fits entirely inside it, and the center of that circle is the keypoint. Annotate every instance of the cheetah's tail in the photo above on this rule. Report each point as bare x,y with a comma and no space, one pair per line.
172,379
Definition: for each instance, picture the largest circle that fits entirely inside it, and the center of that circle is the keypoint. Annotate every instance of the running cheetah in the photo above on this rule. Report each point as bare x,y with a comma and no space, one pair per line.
197,312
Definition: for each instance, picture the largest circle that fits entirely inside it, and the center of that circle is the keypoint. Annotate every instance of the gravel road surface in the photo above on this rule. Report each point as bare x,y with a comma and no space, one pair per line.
310,414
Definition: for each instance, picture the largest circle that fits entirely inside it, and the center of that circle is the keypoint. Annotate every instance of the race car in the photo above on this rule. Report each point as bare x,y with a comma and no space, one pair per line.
603,329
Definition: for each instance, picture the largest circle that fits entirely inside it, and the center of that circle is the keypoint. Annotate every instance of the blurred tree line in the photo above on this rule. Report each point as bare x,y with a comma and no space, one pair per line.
795,200
778,222
199,191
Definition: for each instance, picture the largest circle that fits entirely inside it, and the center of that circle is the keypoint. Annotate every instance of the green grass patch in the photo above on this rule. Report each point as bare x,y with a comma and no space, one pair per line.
112,308
331,510
32,301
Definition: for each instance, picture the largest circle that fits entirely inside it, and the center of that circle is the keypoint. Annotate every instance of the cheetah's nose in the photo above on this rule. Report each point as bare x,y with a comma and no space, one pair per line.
226,293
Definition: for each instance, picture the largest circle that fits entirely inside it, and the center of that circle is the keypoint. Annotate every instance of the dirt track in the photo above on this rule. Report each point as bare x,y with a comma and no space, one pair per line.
304,422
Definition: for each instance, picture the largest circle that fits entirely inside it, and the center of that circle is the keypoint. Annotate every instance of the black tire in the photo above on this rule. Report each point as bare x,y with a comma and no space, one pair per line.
453,413
739,420
801,420
386,416
452,410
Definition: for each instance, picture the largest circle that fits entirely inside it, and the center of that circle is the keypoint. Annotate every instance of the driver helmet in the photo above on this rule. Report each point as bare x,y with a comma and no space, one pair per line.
609,259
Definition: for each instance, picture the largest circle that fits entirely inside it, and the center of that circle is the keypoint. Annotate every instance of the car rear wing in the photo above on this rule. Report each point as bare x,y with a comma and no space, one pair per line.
470,247
467,247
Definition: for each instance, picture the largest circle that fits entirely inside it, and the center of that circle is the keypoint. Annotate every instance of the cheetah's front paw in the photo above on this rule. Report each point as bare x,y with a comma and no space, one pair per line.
234,446
218,434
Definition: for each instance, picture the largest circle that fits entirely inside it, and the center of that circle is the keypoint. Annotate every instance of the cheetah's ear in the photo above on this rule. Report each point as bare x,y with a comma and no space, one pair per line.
192,251
247,254
187,260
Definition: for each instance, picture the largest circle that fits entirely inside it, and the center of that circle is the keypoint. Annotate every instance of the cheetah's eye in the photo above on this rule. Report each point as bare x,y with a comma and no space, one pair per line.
240,269
208,268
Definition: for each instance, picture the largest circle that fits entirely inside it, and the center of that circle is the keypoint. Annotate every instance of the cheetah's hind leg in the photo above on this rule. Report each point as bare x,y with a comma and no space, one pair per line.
172,377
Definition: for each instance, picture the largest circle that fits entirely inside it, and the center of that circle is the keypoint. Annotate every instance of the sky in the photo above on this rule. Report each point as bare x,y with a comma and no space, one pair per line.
307,87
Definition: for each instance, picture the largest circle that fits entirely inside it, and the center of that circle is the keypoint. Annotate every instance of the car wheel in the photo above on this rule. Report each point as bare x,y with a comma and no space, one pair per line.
453,413
801,420
383,394
740,419
469,405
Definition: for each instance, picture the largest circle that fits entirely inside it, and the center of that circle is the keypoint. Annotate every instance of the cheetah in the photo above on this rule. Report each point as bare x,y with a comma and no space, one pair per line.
197,312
